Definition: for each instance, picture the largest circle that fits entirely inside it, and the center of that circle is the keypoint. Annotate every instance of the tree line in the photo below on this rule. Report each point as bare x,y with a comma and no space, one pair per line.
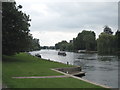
107,43
16,35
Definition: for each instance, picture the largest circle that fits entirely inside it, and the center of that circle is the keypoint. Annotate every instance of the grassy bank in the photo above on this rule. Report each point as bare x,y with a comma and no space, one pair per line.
26,65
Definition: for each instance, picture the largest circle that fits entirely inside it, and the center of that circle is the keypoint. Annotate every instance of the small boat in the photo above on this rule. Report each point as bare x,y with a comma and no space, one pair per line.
38,55
81,51
62,53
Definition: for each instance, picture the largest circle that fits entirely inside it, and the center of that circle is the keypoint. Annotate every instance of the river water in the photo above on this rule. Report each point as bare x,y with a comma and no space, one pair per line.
99,69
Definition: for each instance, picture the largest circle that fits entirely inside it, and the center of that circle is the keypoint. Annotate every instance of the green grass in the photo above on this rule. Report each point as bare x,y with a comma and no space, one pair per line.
51,83
26,65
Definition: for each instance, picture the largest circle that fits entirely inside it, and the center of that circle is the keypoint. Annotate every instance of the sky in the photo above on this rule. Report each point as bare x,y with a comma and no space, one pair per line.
57,20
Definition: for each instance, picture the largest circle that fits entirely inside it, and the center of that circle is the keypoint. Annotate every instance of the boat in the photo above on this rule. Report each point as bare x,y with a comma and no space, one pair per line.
81,51
62,53
38,55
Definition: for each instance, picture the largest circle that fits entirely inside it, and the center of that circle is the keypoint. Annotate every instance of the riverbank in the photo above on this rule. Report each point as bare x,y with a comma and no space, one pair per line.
24,65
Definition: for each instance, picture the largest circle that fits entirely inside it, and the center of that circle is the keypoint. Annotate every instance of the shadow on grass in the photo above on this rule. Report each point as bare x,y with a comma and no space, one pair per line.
14,58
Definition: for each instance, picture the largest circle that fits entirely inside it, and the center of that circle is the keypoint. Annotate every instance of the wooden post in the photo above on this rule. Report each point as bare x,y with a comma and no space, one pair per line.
67,63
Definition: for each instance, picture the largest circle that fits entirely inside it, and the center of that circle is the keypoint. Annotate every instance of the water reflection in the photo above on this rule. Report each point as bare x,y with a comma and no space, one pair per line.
99,69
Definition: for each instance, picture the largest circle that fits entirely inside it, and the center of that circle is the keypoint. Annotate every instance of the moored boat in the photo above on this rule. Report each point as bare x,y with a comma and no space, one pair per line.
38,55
62,53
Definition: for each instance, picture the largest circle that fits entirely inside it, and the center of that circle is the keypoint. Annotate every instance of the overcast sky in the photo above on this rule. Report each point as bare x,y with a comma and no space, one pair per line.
56,20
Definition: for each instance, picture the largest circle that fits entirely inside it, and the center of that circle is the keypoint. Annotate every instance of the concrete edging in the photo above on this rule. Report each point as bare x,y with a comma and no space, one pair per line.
80,78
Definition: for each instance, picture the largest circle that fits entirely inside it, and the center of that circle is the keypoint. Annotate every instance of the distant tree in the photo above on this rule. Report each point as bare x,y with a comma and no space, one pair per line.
47,47
85,40
117,35
89,39
106,43
78,42
69,47
61,45
44,47
35,44
107,30
51,47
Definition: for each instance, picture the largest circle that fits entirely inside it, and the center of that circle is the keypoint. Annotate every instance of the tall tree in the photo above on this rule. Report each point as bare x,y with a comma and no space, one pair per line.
78,42
117,35
61,45
15,25
35,44
85,40
107,30
106,43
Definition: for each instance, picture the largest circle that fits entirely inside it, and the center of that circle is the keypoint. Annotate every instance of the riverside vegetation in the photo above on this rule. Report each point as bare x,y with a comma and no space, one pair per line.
107,43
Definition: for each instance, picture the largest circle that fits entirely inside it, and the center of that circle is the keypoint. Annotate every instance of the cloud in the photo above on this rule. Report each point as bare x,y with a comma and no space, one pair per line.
68,17
47,37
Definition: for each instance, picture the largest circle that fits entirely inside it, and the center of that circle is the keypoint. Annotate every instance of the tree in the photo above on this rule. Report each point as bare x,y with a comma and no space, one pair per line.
85,40
15,29
34,44
106,43
65,46
78,42
69,47
61,45
89,39
107,30
117,36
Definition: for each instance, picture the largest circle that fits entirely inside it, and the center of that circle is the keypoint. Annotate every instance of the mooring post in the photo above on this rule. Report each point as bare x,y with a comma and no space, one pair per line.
67,63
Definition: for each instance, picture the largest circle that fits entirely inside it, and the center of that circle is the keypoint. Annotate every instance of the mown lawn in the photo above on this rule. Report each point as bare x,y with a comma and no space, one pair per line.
26,65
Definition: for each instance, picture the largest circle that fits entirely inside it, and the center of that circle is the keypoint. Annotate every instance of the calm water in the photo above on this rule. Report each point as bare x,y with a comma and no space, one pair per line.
100,69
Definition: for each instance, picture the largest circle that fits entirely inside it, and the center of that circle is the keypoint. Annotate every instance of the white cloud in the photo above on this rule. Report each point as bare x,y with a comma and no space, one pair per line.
38,1
47,37
56,20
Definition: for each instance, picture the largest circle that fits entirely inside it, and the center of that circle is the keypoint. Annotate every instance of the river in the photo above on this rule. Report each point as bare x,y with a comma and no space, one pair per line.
99,69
